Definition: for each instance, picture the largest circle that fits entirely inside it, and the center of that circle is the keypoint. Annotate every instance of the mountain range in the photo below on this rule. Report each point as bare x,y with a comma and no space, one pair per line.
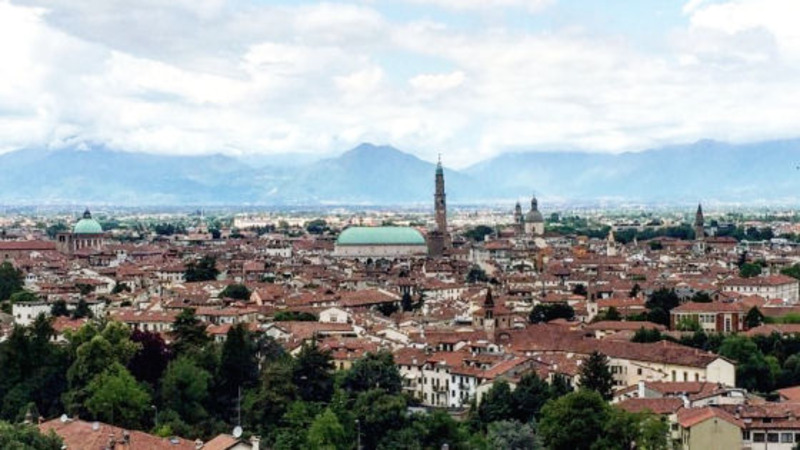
382,175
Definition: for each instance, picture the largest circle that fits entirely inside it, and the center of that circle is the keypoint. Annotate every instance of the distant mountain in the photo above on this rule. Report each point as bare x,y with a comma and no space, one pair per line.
706,170
383,175
372,174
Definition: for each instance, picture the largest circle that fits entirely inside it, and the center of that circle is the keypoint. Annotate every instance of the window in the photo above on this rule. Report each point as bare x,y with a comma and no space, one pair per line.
758,437
772,437
745,435
639,371
786,438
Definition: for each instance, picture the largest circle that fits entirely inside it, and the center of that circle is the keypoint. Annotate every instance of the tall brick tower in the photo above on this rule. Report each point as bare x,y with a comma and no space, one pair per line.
439,239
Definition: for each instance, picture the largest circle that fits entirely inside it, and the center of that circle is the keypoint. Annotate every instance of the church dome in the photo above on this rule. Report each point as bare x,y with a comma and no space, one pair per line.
87,225
534,216
380,236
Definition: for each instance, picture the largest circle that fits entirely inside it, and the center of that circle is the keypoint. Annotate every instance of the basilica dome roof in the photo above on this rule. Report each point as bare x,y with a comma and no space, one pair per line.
380,236
87,225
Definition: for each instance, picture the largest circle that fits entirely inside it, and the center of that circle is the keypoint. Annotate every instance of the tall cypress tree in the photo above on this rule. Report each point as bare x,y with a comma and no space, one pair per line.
596,375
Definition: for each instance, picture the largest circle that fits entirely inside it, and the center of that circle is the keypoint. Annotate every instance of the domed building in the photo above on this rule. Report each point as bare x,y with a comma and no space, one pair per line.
534,221
380,242
86,234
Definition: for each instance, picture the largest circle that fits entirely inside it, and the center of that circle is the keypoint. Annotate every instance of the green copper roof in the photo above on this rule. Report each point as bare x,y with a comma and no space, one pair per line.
87,226
380,236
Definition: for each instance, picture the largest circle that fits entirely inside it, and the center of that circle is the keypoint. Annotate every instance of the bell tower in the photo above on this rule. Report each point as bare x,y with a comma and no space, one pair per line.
439,238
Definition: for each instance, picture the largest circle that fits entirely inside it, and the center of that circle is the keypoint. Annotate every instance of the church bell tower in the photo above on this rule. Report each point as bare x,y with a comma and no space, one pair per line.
439,239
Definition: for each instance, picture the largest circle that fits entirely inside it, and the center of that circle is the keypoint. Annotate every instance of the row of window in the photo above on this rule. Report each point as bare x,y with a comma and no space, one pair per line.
784,438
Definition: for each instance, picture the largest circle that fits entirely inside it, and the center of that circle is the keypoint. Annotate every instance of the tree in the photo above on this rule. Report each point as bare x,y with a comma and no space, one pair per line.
27,437
752,371
238,368
185,389
701,297
82,310
560,386
299,316
479,233
612,314
264,407
373,371
190,332
11,280
688,324
792,271
528,398
580,289
753,318
203,270
150,361
116,397
23,296
387,308
497,404
596,375
326,433
574,421
749,270
316,226
545,312
312,373
644,335
635,290
659,304
511,434
378,413
59,309
236,292
476,275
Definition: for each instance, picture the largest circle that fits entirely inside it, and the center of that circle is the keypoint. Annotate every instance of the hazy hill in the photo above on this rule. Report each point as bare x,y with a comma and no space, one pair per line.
383,175
700,171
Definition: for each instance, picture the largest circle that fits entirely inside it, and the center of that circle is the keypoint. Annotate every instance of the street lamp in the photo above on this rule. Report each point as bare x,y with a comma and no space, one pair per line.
156,410
358,434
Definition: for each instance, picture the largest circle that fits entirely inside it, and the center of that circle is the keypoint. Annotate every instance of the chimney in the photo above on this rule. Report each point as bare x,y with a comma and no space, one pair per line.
198,444
640,389
255,442
686,403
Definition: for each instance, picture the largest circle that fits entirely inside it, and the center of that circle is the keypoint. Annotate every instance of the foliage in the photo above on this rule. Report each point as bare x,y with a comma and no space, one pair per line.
644,335
300,316
151,359
701,297
749,270
545,312
753,318
59,308
753,371
387,308
116,397
326,433
23,296
479,233
688,324
82,310
185,389
312,374
190,333
317,226
203,270
476,275
374,371
236,292
574,421
792,271
512,435
595,375
24,437
11,280
659,304
529,397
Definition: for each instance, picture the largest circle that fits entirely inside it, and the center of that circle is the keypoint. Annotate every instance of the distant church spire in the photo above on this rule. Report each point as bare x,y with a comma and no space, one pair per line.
87,214
439,239
699,223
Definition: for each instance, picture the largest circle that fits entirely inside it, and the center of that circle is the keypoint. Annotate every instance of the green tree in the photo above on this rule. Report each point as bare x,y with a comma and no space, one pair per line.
59,309
312,373
688,324
476,275
574,421
792,271
612,314
659,304
264,407
596,375
190,332
753,318
560,386
753,372
373,371
24,437
749,270
236,292
545,312
300,316
379,413
203,270
701,297
316,226
116,397
528,398
511,434
11,280
23,296
82,310
644,335
185,389
479,233
238,368
326,433
497,404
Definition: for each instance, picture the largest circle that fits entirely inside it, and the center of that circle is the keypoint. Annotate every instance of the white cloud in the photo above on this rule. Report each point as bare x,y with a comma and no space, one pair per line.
324,77
530,5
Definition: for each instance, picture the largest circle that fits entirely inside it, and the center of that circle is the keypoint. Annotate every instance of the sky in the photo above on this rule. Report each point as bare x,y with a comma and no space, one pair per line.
469,79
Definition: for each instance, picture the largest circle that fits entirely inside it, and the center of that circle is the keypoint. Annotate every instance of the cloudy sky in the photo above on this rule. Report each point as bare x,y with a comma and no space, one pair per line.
467,78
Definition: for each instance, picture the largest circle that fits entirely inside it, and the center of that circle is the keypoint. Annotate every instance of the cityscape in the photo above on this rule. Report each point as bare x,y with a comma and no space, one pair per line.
400,224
